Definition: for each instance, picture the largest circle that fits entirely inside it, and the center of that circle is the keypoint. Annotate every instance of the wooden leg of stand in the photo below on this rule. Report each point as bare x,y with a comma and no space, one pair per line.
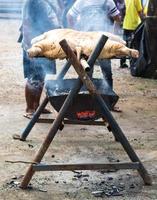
34,119
47,141
118,133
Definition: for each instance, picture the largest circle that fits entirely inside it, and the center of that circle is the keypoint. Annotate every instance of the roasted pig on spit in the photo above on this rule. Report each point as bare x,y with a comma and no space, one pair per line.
83,43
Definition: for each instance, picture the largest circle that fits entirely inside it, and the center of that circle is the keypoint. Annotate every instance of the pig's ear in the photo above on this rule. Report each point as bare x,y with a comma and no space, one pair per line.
34,51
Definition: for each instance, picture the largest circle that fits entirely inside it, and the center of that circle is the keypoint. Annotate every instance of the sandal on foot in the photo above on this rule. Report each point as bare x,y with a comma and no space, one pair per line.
28,115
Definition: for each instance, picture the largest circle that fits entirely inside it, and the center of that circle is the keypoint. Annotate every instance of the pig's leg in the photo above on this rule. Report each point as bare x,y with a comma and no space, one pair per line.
128,52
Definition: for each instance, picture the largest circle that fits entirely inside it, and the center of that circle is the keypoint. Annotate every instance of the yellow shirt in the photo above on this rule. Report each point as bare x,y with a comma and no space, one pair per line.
132,19
146,7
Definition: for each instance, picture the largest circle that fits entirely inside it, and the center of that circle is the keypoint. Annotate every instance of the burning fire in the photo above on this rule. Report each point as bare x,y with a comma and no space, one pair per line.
86,115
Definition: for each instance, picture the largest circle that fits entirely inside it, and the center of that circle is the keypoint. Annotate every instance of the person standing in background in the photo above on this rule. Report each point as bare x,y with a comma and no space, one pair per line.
38,17
133,17
66,4
121,7
93,15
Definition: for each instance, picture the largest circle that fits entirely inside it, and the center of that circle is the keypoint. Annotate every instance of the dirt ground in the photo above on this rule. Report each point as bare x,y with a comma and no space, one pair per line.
138,120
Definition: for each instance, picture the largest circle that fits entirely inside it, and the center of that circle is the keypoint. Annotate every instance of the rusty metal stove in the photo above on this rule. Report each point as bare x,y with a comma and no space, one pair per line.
84,106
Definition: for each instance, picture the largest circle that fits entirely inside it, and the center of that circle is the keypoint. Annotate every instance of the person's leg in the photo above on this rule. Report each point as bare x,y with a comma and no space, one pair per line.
32,96
128,36
34,84
28,98
105,65
27,69
123,60
48,66
123,63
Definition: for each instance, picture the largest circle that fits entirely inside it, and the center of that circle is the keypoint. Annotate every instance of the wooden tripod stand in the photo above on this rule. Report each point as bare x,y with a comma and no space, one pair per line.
116,130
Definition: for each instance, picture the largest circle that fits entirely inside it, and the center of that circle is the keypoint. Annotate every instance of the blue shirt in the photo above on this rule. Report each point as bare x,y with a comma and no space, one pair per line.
38,17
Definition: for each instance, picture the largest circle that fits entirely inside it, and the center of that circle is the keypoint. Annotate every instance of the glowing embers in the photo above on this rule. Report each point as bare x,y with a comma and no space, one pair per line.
86,115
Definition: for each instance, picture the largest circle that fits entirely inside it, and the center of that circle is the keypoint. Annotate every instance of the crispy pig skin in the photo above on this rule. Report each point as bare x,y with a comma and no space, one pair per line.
47,44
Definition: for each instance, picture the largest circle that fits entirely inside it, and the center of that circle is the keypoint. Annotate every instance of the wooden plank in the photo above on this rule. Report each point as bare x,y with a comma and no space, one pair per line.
87,166
78,122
